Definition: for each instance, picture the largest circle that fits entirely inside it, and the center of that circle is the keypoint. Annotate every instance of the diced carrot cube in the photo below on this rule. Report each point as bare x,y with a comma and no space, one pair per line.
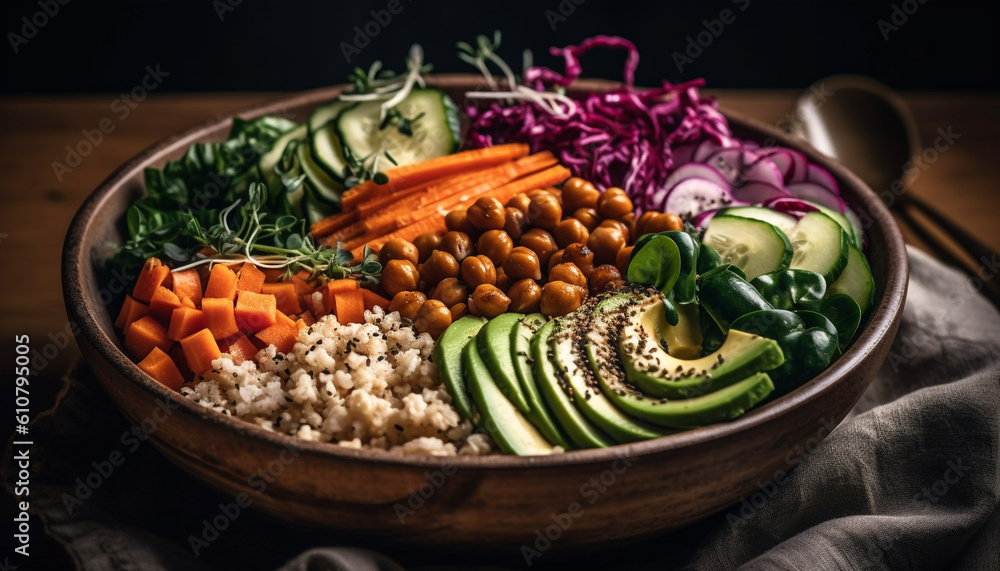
161,367
163,304
349,306
251,279
177,354
240,349
200,349
187,283
284,319
273,275
222,283
136,311
285,295
334,287
373,299
186,302
307,317
302,285
122,322
153,275
280,335
145,334
220,317
184,321
255,311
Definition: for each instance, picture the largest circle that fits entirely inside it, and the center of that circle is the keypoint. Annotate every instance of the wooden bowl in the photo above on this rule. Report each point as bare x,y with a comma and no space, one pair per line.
588,497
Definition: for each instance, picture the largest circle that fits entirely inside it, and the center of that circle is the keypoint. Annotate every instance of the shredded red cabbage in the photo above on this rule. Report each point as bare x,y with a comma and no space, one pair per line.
622,137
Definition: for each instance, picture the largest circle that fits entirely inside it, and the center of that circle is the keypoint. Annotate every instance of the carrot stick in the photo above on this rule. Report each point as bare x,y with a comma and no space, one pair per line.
332,223
417,173
349,306
431,219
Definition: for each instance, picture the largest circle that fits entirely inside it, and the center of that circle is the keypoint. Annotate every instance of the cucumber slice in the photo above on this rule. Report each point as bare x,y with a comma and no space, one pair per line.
270,159
757,247
856,280
840,219
821,246
325,145
314,208
784,222
327,189
435,133
856,230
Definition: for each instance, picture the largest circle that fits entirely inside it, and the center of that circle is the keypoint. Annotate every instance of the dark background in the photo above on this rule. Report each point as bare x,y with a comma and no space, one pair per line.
283,46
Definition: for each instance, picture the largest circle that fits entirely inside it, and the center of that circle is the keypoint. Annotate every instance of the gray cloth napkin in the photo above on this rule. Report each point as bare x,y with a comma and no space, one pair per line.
910,480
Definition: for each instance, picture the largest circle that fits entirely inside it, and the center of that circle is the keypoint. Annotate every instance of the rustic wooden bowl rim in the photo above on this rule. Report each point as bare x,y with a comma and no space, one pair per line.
77,269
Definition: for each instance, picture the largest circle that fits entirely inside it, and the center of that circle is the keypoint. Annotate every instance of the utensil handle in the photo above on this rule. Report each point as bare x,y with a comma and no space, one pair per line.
972,246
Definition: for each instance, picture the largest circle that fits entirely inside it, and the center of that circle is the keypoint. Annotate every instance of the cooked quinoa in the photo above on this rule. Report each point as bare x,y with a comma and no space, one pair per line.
361,385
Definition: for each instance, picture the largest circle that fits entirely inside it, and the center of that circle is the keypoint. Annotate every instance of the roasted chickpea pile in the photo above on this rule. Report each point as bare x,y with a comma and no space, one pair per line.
544,251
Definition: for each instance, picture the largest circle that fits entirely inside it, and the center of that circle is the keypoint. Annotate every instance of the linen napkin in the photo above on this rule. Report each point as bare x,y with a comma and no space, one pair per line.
910,480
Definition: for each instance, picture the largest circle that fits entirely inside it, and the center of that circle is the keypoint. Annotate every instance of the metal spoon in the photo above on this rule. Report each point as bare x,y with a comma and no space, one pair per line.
869,128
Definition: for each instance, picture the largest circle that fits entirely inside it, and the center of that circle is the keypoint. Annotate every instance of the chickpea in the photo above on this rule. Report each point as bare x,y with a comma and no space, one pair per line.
399,275
622,259
525,296
398,249
458,311
495,245
451,291
603,277
643,221
588,217
503,282
488,301
522,263
426,244
407,303
658,222
581,256
554,191
434,317
486,214
439,266
570,231
458,244
478,270
614,203
569,273
516,223
578,193
544,211
541,243
556,259
605,242
617,224
520,202
458,221
560,298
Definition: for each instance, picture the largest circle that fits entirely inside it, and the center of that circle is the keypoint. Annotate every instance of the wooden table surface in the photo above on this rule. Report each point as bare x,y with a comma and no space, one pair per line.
37,206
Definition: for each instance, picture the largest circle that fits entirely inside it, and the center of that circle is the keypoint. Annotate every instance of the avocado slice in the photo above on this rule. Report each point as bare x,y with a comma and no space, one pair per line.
447,355
579,382
520,348
661,359
508,427
494,344
608,369
550,384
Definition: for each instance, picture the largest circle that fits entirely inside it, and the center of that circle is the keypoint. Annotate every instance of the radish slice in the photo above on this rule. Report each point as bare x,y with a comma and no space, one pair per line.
815,193
690,170
792,206
755,192
683,154
763,170
693,196
729,162
702,220
783,160
708,147
800,168
819,175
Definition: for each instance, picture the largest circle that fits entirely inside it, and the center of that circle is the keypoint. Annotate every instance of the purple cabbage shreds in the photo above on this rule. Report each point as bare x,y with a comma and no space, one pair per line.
623,137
